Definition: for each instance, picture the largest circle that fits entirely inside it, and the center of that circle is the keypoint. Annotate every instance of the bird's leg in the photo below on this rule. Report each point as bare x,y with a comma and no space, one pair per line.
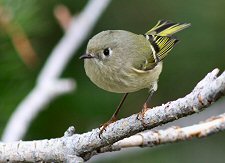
145,106
114,116
147,102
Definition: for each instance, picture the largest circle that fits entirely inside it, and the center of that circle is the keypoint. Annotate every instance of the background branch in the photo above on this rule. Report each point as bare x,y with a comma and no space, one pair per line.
48,84
63,15
18,37
81,147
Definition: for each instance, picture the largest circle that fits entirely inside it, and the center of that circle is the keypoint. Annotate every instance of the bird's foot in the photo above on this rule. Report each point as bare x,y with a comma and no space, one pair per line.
140,115
103,126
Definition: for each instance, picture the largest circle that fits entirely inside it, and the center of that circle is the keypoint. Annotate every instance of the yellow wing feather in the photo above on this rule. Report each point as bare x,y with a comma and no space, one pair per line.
162,41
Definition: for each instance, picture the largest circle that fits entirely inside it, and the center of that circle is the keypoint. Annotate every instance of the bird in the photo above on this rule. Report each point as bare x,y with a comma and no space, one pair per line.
120,61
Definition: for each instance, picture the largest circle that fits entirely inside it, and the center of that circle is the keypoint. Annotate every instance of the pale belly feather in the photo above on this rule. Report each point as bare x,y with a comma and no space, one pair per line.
116,80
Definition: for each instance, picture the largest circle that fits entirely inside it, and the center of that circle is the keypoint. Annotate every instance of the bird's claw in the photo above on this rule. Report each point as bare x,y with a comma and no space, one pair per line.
140,115
103,126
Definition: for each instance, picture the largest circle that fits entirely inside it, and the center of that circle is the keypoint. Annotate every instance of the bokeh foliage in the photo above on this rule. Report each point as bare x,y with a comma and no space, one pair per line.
201,49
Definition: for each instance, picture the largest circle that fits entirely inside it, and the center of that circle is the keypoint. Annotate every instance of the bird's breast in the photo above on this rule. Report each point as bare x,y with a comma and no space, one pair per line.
120,79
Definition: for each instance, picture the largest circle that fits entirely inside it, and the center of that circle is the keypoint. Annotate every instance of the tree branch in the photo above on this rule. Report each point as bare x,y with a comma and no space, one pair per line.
80,147
49,85
173,134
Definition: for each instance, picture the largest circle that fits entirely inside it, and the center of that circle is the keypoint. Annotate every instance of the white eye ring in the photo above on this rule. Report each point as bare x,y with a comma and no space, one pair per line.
107,52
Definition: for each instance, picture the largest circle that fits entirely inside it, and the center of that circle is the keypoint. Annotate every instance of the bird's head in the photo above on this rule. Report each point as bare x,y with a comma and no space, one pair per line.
101,47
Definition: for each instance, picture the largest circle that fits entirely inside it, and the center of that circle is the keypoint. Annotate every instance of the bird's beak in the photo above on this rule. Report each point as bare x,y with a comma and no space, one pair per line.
86,56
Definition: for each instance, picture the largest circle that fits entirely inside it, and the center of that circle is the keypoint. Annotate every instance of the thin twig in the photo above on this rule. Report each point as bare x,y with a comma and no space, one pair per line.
49,85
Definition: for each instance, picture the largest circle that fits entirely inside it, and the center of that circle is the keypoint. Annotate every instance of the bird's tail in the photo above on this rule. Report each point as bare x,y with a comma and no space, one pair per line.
167,28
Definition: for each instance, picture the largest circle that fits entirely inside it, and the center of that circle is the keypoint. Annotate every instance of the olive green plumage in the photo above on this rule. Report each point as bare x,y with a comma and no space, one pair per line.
122,62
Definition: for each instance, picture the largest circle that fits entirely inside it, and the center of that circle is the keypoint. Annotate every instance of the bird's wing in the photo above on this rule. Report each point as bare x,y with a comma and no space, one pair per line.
161,41
160,46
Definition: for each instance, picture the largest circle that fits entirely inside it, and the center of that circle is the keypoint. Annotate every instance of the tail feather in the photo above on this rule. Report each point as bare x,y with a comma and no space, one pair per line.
167,28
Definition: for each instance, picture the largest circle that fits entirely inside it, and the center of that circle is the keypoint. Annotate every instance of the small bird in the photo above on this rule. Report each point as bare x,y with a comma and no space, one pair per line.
123,62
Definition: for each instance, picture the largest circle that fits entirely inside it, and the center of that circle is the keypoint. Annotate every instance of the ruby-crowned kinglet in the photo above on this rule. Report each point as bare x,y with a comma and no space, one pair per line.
122,62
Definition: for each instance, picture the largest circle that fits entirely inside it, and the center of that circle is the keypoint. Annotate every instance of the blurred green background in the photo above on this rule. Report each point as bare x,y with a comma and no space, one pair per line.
201,49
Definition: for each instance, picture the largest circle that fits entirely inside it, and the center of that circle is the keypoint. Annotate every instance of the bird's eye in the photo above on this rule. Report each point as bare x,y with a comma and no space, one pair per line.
107,51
